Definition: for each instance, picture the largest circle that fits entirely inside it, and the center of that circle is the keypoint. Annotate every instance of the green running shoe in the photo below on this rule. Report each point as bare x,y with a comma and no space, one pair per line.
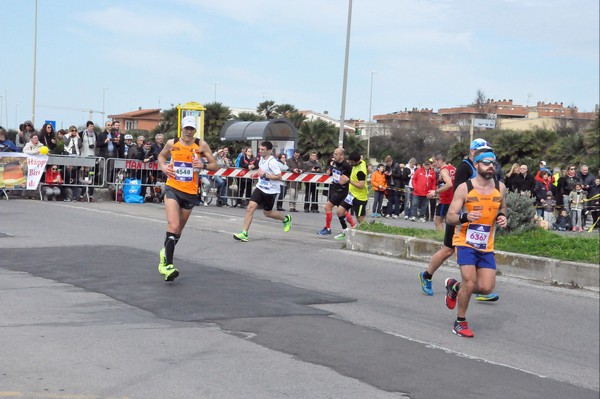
243,236
287,223
170,273
162,264
341,236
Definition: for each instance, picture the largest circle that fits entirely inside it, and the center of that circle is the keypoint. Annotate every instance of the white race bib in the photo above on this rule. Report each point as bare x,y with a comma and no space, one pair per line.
264,184
478,235
184,171
349,198
336,174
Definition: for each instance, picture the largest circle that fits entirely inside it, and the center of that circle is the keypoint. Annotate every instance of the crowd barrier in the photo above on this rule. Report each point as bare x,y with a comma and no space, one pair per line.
235,181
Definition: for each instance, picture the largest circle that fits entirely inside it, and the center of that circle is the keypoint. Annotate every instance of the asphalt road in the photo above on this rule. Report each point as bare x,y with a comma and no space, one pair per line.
85,314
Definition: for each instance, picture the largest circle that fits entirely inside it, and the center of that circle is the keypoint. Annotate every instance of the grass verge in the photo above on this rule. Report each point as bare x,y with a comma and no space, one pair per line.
536,242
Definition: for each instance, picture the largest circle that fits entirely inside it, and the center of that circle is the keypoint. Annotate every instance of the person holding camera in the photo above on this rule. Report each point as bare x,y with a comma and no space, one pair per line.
310,192
88,138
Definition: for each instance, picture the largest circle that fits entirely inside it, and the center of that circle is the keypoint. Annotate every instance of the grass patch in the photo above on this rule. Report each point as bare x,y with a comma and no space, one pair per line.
536,242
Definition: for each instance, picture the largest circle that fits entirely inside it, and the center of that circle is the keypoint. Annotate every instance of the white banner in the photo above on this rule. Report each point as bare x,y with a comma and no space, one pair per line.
20,171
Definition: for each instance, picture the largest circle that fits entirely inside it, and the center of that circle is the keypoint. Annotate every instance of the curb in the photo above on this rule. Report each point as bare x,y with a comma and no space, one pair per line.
527,267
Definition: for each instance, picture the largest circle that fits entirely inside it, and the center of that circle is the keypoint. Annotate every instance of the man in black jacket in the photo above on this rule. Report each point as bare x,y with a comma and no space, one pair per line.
524,181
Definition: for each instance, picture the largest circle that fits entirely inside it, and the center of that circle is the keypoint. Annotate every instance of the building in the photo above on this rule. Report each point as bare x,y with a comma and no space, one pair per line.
142,119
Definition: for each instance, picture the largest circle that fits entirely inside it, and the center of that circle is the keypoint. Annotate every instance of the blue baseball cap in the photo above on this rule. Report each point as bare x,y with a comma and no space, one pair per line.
480,144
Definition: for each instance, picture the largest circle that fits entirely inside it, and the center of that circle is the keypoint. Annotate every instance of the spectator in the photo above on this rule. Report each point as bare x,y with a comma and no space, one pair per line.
48,137
105,142
220,183
72,192
73,143
524,182
594,204
33,145
310,189
586,178
566,184
283,186
563,222
542,166
379,184
88,138
24,135
423,181
511,176
549,206
295,165
393,175
136,151
407,176
127,143
5,144
577,199
445,190
51,191
159,143
248,161
542,187
59,149
86,178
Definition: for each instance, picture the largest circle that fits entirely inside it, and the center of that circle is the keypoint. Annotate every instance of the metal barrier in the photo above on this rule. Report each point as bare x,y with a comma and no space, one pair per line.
153,180
78,173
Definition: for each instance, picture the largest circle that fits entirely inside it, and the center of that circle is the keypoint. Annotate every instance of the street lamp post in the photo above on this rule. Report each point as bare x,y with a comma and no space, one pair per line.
215,98
1,109
34,63
369,122
103,99
343,113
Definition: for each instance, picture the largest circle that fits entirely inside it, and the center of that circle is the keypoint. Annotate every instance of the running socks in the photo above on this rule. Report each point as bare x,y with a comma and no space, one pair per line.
350,219
328,218
171,240
343,222
426,275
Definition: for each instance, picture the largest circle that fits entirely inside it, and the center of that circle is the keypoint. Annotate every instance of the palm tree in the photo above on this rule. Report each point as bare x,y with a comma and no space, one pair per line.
215,116
268,109
317,135
285,110
249,116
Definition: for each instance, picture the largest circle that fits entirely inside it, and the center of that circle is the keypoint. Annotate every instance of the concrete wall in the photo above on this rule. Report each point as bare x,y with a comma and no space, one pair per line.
509,264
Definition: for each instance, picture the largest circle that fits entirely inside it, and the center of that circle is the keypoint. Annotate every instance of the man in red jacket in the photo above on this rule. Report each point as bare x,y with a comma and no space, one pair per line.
423,181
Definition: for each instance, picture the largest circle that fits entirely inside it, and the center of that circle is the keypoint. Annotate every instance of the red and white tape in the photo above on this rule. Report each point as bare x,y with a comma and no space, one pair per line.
286,176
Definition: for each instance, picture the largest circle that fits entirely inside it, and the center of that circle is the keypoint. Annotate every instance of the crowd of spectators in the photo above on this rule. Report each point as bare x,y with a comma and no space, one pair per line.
564,197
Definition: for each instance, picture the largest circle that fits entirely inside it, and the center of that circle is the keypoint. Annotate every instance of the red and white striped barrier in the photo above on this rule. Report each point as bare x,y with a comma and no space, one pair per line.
287,176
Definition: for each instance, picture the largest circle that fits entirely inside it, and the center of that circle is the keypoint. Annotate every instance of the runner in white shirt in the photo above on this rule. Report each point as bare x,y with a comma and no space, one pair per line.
266,192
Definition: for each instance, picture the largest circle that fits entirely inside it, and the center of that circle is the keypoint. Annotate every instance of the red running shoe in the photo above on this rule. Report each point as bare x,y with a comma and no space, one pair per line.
450,293
461,328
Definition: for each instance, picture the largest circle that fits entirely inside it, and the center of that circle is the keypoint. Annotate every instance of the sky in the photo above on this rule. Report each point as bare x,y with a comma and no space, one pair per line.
120,55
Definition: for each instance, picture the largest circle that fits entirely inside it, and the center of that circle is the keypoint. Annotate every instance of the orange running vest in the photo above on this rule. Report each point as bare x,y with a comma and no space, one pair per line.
479,234
186,180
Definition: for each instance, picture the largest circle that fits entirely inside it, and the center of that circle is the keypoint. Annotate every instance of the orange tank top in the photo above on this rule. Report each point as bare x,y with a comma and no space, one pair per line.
186,180
480,234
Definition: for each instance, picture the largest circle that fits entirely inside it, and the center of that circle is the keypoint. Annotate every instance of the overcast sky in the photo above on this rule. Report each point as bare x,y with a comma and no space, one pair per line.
426,54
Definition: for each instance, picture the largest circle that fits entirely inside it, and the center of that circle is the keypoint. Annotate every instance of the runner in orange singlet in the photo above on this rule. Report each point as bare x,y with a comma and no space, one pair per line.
181,190
478,205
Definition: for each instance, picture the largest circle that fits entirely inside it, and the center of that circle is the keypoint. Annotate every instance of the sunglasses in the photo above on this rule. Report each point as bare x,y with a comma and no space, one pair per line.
487,162
54,169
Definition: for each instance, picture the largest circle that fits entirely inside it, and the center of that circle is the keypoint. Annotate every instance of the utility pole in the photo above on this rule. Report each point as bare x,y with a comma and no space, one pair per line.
34,63
343,113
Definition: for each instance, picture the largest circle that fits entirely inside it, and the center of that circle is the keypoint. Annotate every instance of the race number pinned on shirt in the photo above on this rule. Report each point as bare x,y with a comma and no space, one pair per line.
478,236
184,171
336,174
264,183
349,198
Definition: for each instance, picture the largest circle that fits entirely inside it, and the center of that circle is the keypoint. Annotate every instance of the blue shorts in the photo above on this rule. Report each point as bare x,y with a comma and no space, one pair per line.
470,256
